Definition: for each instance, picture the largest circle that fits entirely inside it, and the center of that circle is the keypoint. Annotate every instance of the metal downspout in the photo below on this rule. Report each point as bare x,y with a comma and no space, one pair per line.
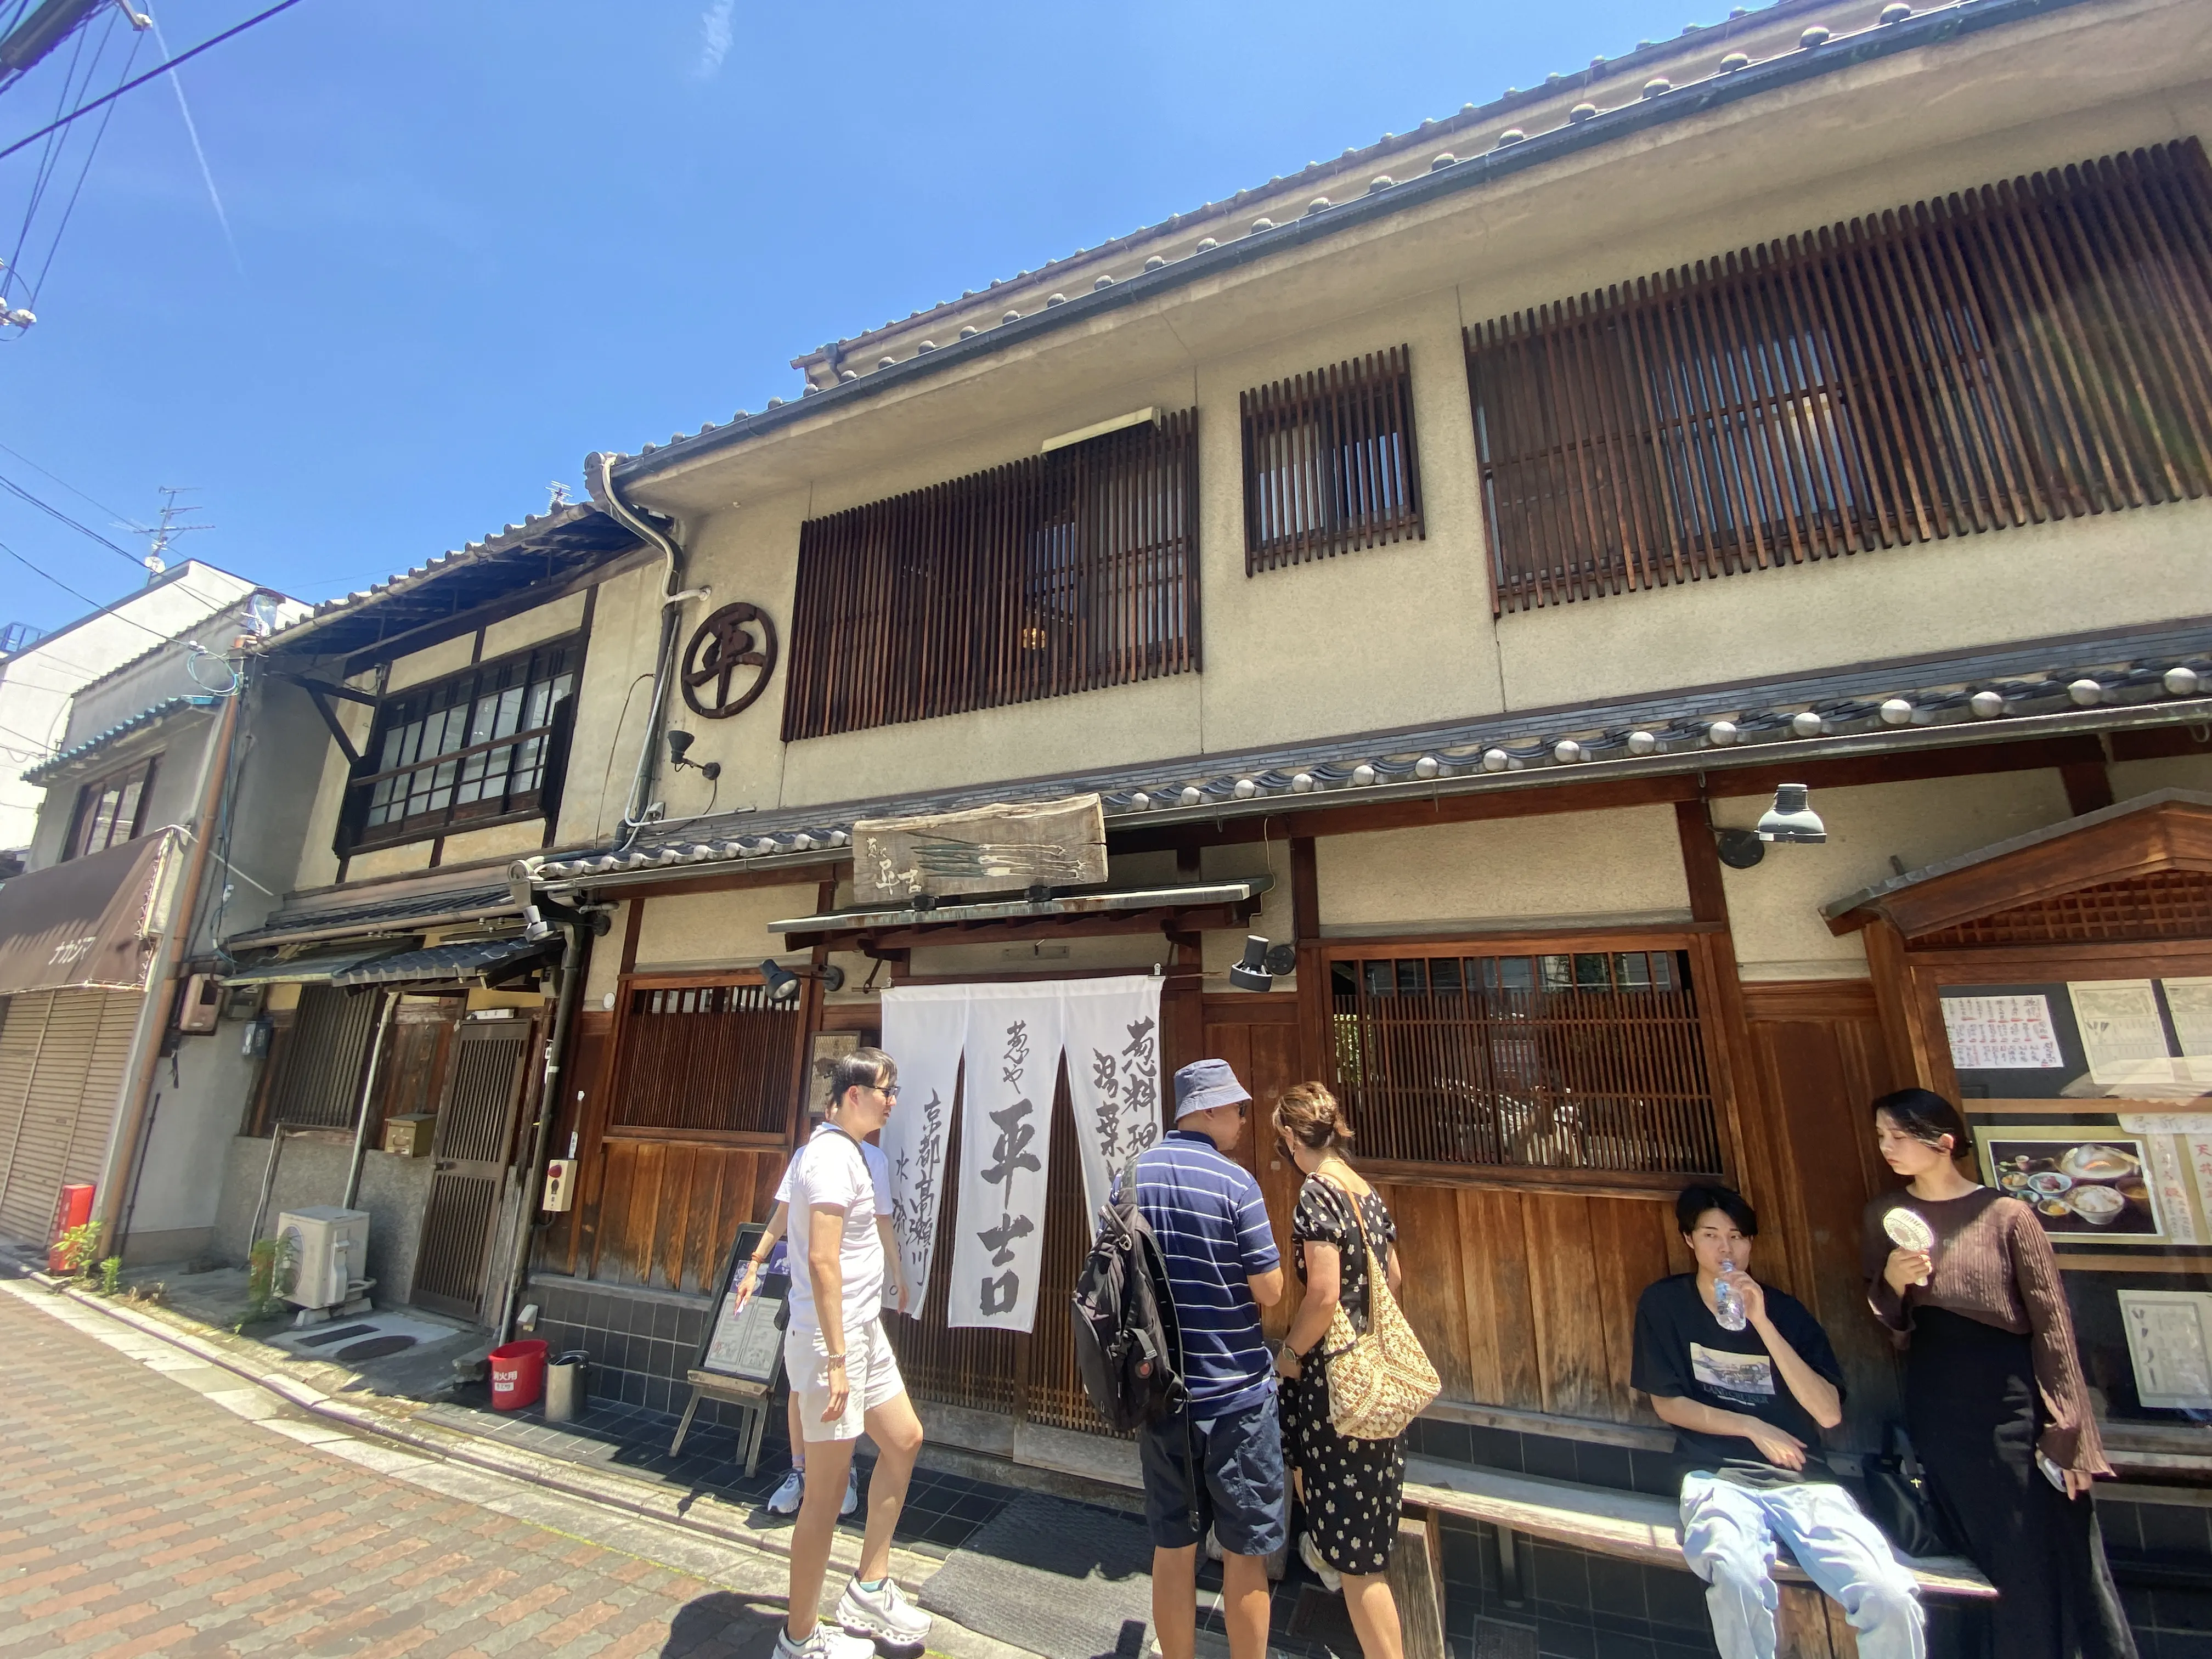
573,953
368,1093
599,479
123,1142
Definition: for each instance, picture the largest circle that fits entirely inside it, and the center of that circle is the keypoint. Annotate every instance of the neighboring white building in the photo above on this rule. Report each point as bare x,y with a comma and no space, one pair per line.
37,682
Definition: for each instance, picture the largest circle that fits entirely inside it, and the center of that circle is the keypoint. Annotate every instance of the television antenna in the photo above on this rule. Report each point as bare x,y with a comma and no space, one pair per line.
172,525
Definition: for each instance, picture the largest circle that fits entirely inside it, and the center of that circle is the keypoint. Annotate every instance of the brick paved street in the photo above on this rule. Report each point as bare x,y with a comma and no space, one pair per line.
142,1513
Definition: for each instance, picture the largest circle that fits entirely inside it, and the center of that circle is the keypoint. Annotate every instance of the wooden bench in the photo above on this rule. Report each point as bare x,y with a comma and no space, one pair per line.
1633,1527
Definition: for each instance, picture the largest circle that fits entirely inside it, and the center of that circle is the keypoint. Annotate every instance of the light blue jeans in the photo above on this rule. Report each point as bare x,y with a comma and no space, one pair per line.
1729,1534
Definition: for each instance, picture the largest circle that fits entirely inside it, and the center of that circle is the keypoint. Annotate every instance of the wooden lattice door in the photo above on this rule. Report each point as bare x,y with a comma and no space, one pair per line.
484,1088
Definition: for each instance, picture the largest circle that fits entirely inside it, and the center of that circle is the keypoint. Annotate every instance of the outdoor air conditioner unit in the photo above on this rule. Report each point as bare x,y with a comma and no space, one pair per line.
321,1252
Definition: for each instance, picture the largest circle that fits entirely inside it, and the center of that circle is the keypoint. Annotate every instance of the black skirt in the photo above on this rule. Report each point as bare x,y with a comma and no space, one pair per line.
1971,1403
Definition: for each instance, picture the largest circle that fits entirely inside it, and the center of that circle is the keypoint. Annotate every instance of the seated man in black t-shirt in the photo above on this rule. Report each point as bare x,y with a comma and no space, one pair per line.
1748,1407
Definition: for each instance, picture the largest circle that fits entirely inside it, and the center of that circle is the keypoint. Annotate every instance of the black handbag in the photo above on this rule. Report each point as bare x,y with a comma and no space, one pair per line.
1900,1503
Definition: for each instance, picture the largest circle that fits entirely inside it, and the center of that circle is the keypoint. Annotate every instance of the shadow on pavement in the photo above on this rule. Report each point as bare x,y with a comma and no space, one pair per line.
723,1625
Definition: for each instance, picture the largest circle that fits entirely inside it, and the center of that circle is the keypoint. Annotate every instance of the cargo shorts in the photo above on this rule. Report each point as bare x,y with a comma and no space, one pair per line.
1239,1489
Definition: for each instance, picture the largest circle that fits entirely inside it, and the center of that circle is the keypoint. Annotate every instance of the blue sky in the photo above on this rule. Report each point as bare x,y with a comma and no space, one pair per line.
470,242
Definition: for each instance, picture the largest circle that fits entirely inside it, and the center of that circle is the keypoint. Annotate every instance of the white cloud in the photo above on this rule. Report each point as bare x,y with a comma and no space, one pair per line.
713,38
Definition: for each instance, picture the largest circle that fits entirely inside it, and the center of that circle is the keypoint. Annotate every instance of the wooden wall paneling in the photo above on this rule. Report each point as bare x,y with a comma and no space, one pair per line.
633,1245
1501,1320
584,1116
1628,1242
1432,1290
1183,1011
1569,1332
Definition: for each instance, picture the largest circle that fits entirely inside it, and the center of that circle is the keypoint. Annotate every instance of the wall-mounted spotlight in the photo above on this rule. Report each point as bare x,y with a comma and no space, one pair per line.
782,983
543,915
1263,964
1790,818
679,747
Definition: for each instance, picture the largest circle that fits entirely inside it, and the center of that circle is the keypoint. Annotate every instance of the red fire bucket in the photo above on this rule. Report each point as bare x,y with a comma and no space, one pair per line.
517,1375
72,1209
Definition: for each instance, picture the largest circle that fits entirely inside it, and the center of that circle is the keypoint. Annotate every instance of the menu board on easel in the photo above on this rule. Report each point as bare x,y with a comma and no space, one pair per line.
744,1346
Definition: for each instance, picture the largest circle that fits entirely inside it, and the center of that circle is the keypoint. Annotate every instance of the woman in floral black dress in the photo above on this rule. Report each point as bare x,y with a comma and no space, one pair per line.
1350,1489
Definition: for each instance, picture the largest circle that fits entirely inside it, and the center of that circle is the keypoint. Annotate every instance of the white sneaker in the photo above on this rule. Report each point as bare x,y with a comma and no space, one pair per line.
884,1612
852,1494
825,1641
785,1499
1331,1579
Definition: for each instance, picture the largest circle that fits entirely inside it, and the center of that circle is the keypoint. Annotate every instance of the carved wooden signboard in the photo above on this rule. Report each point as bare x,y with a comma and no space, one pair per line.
1001,848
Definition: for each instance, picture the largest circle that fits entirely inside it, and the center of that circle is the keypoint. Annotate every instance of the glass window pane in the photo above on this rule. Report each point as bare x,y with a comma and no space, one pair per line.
1411,981
1381,982
1592,973
1631,971
1667,971
1557,972
126,814
1444,976
510,714
1343,979
1515,974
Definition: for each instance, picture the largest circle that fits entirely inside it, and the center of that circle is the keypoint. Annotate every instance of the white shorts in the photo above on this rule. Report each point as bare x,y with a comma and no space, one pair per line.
872,1374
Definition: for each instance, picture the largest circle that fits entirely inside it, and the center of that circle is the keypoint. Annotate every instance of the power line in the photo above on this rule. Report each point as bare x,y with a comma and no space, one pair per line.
74,595
155,73
21,493
121,518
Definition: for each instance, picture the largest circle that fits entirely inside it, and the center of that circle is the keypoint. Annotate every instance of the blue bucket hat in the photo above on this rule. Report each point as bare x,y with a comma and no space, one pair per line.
1205,1084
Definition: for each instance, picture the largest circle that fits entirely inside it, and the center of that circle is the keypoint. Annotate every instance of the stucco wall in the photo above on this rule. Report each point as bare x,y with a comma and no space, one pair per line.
1562,869
393,1191
718,930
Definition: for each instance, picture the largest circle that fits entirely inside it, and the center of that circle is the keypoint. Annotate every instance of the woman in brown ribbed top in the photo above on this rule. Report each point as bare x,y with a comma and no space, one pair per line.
1994,1396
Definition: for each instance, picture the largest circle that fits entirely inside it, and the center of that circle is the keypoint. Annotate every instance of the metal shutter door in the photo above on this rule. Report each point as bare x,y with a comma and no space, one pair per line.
22,1027
71,1063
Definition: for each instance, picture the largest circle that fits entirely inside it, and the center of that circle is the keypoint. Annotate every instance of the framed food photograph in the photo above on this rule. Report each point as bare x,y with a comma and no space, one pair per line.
829,1048
2087,1183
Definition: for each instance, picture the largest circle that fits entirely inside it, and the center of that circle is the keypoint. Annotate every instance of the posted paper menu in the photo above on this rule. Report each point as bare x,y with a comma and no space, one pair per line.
2122,1036
2189,1002
2002,1034
2170,1348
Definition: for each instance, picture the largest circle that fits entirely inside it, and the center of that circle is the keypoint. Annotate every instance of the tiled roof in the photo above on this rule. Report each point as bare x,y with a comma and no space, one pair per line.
544,547
152,714
2161,676
402,914
1441,170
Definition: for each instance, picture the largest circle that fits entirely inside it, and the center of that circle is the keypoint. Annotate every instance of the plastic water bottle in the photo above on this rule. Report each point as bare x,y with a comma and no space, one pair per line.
1728,1301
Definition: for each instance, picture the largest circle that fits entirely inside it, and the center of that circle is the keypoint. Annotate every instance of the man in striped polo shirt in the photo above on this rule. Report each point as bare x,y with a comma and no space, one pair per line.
1221,1463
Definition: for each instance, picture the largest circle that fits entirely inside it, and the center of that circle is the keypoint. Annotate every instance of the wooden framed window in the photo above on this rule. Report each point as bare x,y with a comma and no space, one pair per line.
710,1056
1060,572
486,745
2034,349
1562,1057
1330,463
111,811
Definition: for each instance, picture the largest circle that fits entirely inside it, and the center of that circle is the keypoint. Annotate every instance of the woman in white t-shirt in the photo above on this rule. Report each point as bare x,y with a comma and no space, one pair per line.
842,1372
786,1499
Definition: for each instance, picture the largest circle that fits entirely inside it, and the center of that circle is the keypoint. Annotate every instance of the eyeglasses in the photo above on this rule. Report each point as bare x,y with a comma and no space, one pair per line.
890,1093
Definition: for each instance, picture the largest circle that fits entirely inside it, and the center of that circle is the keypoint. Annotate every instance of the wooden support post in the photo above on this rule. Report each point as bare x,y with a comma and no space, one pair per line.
1809,1626
1416,1577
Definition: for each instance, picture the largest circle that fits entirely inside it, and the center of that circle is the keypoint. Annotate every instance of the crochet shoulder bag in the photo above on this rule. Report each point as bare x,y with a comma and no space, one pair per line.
1379,1379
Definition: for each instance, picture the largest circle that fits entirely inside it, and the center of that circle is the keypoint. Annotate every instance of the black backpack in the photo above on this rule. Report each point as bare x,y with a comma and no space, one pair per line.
1127,1345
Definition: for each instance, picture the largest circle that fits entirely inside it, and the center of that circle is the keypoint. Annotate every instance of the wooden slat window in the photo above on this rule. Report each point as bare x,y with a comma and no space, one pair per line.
709,1057
1330,464
316,1062
1060,572
1578,1059
2034,349
485,746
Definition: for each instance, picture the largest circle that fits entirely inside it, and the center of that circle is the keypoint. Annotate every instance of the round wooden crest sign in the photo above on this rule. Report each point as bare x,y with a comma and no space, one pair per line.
730,658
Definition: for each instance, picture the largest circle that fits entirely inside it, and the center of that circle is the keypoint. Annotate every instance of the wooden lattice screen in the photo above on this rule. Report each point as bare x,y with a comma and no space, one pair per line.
2167,904
709,1057
316,1068
2036,348
1581,1061
1330,464
1059,573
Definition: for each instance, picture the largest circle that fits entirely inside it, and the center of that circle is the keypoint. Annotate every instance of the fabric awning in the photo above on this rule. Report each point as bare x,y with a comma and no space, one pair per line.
482,958
320,968
85,925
